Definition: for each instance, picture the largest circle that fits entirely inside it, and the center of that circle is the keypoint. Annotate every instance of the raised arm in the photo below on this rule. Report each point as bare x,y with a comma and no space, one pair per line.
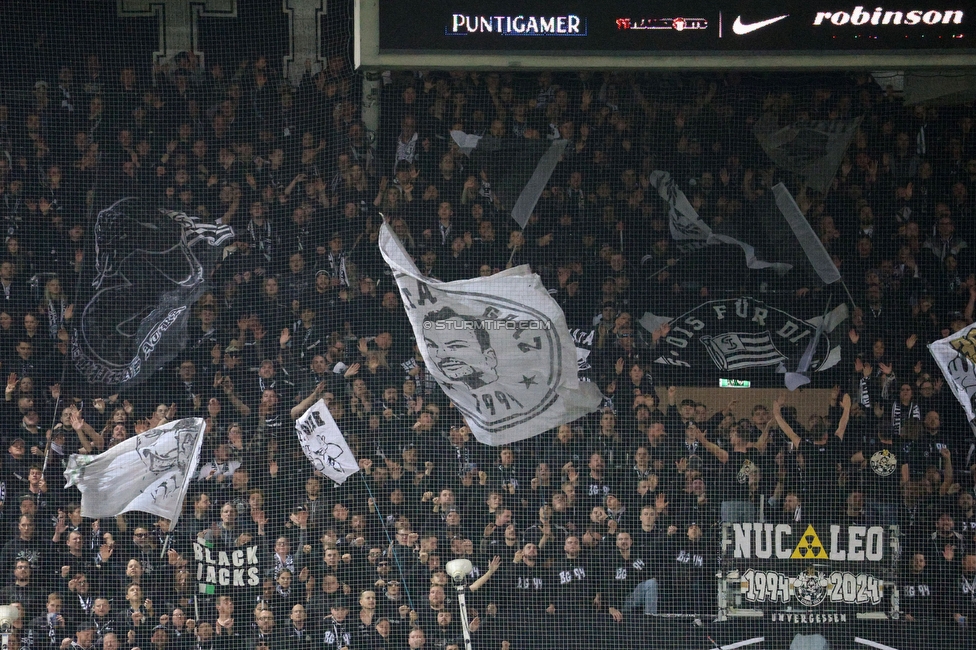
845,417
299,409
719,453
486,576
947,478
783,426
763,441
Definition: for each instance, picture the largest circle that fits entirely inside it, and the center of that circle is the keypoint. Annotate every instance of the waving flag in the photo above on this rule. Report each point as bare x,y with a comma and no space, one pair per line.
691,233
324,444
150,472
518,168
499,347
150,266
956,356
812,149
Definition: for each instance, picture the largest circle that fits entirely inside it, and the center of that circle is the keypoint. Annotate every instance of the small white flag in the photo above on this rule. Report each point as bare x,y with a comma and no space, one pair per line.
956,356
149,472
324,445
499,347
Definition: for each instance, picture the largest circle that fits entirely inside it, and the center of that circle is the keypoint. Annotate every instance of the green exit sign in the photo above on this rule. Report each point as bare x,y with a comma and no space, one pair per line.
734,383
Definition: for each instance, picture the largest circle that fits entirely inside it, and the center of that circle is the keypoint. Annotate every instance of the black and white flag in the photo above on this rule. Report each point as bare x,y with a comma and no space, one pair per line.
324,445
812,149
956,357
499,347
150,266
691,233
517,168
746,333
736,350
150,472
798,241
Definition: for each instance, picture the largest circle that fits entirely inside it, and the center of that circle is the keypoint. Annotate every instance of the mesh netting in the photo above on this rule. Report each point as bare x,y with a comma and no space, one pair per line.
724,509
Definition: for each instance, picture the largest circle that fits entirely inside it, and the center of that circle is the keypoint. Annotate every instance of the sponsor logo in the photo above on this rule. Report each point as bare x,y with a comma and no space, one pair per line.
879,16
678,24
568,25
742,28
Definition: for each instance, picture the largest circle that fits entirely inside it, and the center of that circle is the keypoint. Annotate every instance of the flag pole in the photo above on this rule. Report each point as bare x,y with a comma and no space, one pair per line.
514,249
848,292
663,269
396,558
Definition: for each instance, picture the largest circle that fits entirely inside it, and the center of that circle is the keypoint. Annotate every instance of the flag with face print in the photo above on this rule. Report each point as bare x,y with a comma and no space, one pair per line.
498,346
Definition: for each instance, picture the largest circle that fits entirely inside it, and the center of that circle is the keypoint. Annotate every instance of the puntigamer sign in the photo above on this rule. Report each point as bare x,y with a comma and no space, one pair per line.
786,542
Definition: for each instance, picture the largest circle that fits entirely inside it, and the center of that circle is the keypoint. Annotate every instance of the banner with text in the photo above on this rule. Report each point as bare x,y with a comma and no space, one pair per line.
796,566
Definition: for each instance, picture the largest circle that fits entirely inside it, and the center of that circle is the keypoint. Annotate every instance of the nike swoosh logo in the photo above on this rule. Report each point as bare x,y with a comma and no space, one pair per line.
741,28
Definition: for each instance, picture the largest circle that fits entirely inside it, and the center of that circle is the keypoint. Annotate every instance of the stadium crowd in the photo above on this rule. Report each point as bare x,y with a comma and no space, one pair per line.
571,534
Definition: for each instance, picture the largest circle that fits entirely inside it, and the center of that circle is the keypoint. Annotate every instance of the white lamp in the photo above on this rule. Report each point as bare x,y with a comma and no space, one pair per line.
8,614
458,570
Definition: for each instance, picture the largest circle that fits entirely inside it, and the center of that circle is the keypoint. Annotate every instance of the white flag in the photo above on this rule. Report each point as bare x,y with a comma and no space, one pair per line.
956,356
324,445
149,472
499,347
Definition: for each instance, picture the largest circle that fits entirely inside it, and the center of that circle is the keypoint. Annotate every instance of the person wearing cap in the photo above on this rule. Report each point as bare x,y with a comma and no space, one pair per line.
159,638
335,262
690,559
84,637
336,632
16,464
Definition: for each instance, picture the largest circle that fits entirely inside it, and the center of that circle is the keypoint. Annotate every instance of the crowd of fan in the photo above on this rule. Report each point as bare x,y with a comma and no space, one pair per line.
570,533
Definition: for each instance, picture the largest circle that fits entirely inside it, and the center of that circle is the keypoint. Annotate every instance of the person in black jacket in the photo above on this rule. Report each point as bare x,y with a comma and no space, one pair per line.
627,581
574,593
920,590
690,591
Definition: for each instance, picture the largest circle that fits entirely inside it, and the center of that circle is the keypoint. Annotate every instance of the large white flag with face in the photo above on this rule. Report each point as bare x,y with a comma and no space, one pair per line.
956,356
150,472
324,445
499,347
